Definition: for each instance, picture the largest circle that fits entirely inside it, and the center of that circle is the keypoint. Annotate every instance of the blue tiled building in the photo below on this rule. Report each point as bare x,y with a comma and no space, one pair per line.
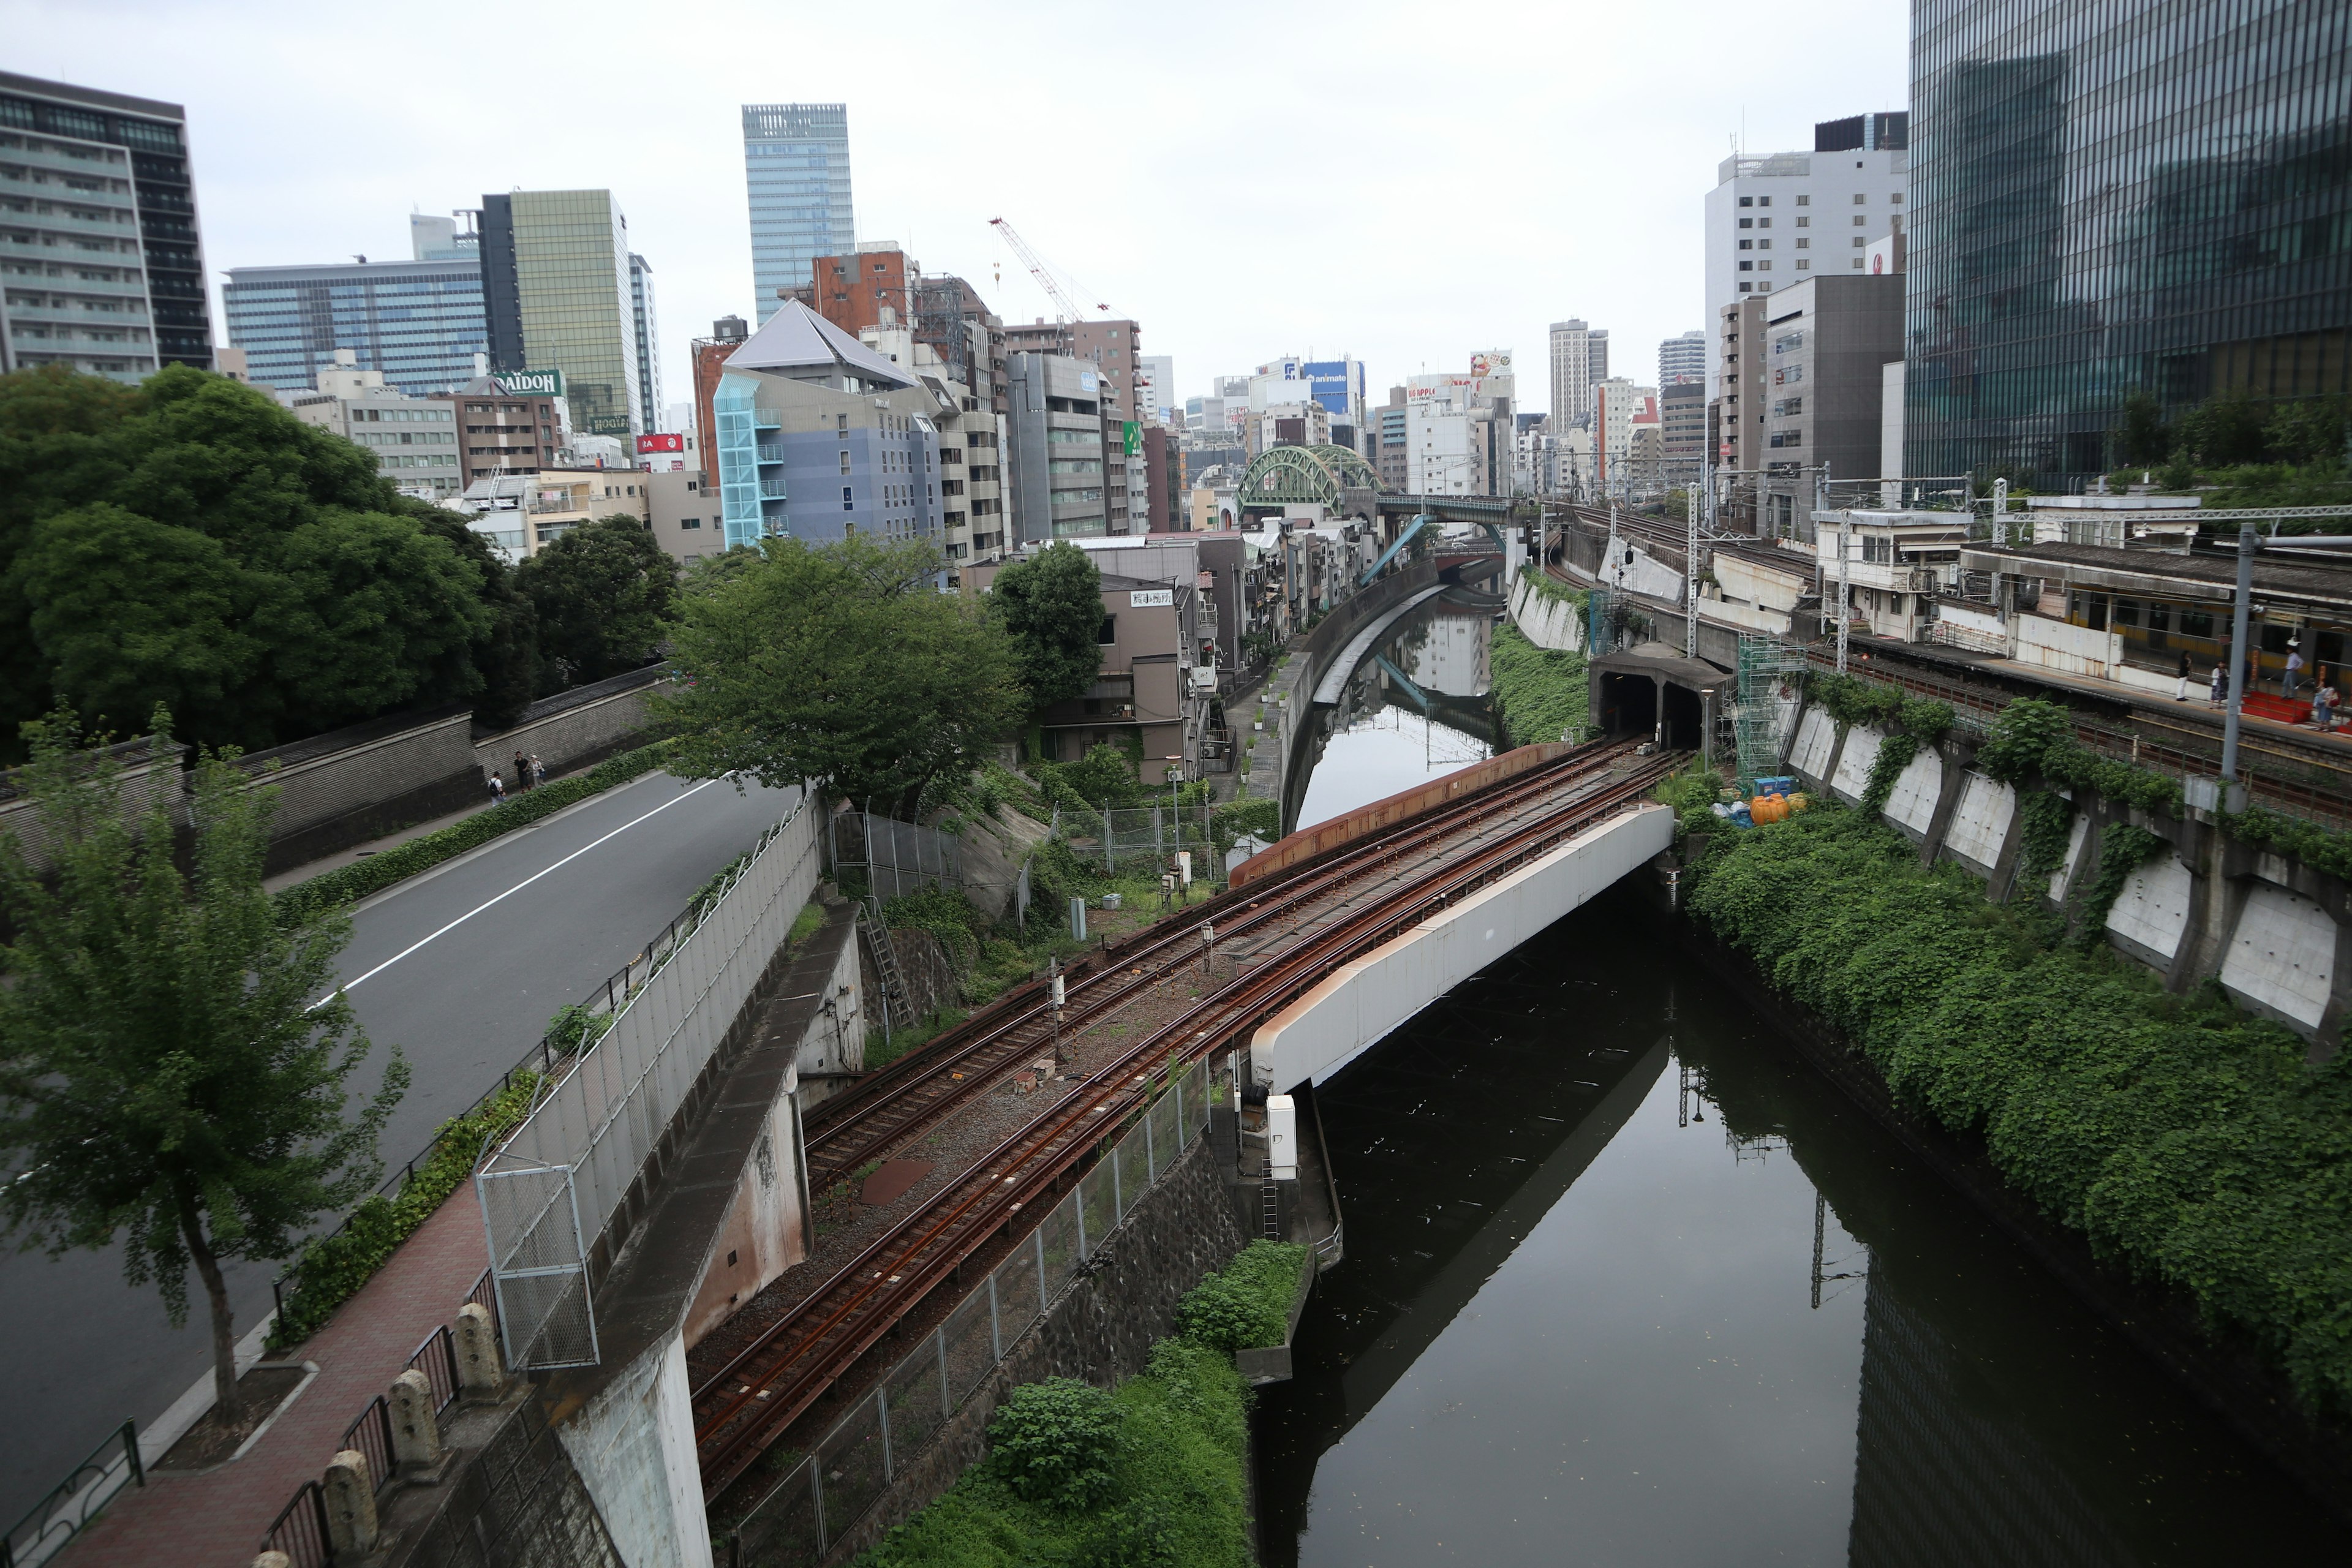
419,322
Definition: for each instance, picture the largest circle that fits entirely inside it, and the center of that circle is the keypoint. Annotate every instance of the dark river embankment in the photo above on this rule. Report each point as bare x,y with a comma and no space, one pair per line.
1629,1283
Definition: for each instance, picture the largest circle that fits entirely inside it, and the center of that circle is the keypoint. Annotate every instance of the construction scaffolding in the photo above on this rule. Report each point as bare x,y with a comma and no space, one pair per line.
1770,669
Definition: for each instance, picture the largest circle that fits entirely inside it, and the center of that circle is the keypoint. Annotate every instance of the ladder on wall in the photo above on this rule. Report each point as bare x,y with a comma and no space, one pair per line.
897,1003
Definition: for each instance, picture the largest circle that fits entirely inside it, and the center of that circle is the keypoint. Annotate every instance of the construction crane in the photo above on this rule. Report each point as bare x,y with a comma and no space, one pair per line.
1067,308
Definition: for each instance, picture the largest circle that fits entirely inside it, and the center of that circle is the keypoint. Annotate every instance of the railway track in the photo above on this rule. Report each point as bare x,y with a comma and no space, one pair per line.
890,1108
740,1407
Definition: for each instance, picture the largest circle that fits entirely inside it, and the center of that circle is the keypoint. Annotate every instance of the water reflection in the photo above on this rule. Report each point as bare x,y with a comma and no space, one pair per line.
1414,708
1628,1284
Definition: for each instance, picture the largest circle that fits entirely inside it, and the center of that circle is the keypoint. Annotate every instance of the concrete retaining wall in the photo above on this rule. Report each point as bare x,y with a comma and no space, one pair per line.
573,729
2276,934
1359,1004
633,1445
1545,621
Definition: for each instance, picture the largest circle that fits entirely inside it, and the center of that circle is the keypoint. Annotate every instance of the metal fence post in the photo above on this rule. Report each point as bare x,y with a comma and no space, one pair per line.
1118,1188
1038,1236
995,1325
1078,1207
1151,1156
947,1389
816,1494
882,1422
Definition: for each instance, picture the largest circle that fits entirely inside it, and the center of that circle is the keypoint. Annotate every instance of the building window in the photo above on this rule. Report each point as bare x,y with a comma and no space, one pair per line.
1804,202
1857,264
690,523
1763,223
844,461
1860,240
1748,201
1747,223
1895,200
1861,222
1860,200
1763,244
1804,223
841,424
1763,201
1746,245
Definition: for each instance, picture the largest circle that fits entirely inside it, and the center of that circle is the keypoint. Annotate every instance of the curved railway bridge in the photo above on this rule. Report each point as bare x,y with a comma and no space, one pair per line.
1251,965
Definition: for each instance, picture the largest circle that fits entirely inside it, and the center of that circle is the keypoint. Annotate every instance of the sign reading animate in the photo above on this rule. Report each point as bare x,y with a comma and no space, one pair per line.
530,383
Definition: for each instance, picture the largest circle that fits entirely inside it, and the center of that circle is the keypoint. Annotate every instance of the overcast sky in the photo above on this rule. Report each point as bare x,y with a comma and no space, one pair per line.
1406,183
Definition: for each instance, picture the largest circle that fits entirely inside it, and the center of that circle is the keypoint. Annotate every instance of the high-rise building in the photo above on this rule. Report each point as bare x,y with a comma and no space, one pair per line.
559,294
415,441
1775,220
1681,430
1159,375
1596,355
1059,454
1572,371
648,339
2089,228
1620,410
873,286
432,238
796,168
106,177
419,324
1826,343
1683,359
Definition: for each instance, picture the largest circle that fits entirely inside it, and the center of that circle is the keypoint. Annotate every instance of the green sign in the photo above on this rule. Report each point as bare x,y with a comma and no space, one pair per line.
530,383
1134,438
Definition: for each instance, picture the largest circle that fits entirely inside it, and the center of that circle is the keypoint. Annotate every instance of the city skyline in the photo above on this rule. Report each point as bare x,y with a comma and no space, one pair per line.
672,155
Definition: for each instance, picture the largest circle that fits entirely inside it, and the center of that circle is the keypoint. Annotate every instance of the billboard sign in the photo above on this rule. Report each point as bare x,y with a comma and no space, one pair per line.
530,383
649,444
1131,435
1151,598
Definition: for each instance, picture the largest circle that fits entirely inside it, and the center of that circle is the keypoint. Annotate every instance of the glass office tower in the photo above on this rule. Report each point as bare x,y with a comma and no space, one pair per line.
557,294
2111,198
420,322
796,165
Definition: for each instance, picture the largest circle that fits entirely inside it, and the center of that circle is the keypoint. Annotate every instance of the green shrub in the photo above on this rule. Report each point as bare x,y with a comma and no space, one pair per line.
2183,1139
1540,694
1248,1305
333,1267
1056,1442
349,884
1255,814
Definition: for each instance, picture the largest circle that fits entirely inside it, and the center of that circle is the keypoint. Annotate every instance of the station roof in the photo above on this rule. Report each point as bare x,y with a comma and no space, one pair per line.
2167,574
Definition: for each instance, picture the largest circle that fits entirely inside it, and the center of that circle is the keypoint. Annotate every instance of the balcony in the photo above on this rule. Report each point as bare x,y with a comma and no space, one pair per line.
769,453
771,486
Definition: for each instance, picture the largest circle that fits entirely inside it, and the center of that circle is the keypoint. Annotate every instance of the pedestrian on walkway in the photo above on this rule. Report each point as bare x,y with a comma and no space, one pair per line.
2220,683
2294,667
2323,707
2181,695
538,771
521,771
497,789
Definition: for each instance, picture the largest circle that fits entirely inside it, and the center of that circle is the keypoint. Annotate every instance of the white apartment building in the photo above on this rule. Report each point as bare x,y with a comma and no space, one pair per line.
1572,371
1682,358
413,440
1774,220
1620,410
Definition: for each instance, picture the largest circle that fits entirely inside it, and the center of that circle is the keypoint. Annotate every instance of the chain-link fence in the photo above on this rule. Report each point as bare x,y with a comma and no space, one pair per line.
550,1191
826,1490
894,858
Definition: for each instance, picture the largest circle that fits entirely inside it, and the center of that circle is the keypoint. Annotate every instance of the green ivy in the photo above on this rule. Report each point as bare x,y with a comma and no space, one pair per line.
2045,822
1540,693
2035,739
1546,586
349,884
1895,754
1248,1305
2321,849
2122,849
2182,1138
331,1270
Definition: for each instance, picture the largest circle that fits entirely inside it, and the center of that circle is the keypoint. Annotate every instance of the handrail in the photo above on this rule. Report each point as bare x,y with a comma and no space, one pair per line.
300,1531
75,1501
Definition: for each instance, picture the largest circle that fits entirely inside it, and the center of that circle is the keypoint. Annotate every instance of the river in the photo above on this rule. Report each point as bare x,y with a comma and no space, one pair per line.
1628,1283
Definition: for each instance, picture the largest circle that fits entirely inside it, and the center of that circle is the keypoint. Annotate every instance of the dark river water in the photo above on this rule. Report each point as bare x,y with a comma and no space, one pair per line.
1627,1283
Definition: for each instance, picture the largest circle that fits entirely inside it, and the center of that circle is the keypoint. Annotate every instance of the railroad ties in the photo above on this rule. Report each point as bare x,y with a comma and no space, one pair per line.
1285,933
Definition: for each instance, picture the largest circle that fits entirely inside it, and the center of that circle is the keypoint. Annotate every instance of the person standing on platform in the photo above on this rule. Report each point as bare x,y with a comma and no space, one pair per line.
2181,693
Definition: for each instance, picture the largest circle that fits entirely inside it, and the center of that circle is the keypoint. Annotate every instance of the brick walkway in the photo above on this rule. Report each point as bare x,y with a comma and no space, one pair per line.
216,1519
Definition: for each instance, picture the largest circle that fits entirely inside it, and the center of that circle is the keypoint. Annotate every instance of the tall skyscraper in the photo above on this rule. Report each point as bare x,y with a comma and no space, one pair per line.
135,298
2088,229
641,310
796,166
559,294
1776,220
419,324
1683,359
1574,370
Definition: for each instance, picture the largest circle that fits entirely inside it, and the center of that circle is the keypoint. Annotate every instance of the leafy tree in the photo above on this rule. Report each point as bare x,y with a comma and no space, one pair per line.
163,1075
2225,429
2308,430
507,655
189,542
1051,606
2145,438
842,663
605,594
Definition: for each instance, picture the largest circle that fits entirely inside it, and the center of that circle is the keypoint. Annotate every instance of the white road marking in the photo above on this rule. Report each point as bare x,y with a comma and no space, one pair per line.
510,892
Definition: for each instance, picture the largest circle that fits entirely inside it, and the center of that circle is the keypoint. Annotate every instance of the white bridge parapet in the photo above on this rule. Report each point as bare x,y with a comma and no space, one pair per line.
1359,1004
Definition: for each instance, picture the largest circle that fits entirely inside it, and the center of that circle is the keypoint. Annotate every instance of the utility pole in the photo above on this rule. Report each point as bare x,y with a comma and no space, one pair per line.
1846,589
2000,511
1690,575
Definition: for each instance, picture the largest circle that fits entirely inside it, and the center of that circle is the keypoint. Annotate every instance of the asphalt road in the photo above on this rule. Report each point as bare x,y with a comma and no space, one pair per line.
460,968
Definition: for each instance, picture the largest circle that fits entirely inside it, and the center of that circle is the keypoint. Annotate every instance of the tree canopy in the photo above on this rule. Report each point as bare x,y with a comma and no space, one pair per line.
188,541
841,663
1051,606
164,1076
603,596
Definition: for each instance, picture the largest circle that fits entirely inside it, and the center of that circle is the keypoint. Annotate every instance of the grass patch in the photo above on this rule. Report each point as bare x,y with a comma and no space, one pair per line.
1246,1306
349,884
881,1054
1149,1474
805,924
1540,693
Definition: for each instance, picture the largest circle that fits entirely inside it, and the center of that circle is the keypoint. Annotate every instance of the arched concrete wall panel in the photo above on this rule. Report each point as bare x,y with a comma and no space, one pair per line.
2282,958
1980,823
1912,804
1359,1004
2152,911
2077,836
1816,743
1861,743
